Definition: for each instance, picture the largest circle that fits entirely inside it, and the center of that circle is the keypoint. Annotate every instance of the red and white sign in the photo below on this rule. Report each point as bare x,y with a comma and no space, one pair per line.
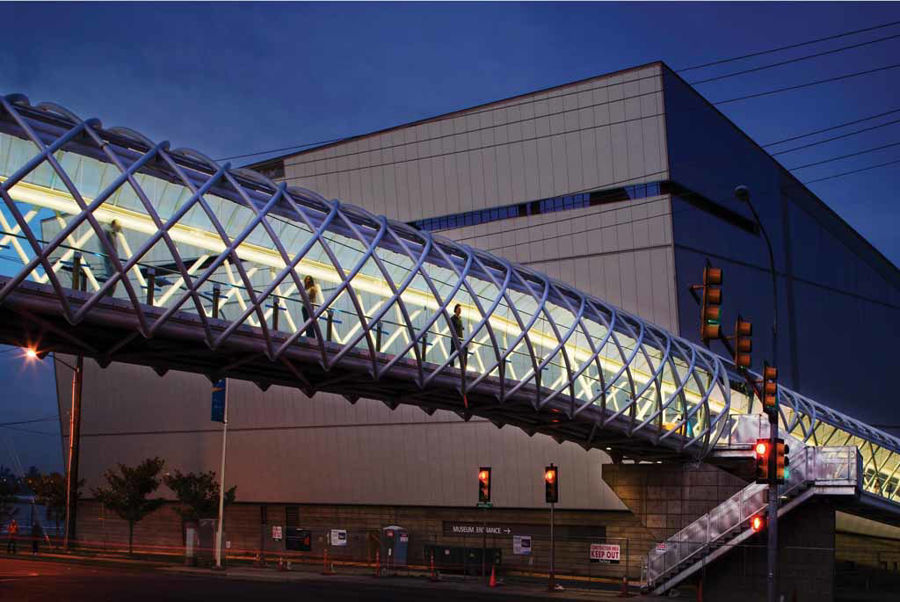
605,552
661,547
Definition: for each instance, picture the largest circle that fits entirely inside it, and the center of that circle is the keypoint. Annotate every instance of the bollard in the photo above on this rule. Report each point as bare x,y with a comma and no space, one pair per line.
326,569
377,564
624,592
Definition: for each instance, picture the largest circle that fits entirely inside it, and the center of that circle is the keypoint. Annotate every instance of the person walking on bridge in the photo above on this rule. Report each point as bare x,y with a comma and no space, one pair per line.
456,336
12,530
36,534
314,293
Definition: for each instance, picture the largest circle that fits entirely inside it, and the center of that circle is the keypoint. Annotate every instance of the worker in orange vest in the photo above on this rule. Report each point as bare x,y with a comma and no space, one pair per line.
13,531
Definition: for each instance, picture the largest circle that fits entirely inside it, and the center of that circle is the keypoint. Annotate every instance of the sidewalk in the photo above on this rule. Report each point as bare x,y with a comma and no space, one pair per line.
413,581
307,573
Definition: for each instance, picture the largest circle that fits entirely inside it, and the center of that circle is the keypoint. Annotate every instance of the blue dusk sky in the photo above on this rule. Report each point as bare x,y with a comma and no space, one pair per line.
236,78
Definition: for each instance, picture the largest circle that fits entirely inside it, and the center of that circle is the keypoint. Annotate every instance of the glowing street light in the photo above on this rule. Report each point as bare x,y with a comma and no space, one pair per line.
74,437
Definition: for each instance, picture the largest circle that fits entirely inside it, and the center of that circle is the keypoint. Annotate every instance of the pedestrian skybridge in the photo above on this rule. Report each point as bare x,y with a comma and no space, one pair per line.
122,249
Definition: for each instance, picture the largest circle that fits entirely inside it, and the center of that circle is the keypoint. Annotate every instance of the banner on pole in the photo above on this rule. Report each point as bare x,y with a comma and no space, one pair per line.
219,391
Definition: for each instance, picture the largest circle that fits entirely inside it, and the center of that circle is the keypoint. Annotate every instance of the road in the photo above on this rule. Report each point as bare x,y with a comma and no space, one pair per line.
53,581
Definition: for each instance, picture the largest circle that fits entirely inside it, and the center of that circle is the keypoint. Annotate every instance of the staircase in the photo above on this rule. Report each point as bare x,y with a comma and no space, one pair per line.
813,470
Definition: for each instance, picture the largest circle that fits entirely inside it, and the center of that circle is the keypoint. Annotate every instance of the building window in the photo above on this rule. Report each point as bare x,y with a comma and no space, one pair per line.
550,205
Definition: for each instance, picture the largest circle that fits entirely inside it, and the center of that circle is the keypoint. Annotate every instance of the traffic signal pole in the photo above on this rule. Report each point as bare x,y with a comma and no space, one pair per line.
551,496
74,453
552,583
743,194
222,484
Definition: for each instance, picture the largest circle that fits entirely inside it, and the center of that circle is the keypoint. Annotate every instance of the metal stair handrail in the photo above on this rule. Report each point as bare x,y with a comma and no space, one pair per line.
807,465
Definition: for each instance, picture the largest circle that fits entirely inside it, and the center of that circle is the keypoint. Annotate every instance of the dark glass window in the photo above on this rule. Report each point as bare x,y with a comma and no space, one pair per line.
550,205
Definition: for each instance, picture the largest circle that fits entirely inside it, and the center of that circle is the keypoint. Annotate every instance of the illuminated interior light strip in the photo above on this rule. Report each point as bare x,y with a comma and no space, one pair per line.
189,235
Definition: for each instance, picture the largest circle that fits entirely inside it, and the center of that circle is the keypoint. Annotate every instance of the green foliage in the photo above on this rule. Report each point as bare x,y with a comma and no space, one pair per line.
50,491
127,492
198,494
10,487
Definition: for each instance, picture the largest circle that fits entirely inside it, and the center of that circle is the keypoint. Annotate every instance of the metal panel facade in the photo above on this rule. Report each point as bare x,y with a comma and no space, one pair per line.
603,132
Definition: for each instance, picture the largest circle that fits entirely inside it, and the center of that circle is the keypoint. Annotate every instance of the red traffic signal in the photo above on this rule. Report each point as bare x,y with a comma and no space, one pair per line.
761,449
551,484
757,523
484,484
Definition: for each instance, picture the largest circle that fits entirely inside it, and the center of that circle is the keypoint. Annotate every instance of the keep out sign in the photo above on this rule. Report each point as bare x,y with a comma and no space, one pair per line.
605,553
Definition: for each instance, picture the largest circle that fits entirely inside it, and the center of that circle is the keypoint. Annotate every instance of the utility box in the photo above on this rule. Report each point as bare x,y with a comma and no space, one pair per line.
206,542
394,546
191,544
297,540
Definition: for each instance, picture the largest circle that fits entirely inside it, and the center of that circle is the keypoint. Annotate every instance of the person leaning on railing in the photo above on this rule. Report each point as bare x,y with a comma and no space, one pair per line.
456,336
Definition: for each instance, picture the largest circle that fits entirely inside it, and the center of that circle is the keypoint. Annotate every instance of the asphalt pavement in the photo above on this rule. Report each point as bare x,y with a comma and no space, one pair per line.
50,580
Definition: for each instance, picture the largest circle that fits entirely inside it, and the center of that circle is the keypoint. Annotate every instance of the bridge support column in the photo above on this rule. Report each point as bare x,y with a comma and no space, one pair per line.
806,564
667,497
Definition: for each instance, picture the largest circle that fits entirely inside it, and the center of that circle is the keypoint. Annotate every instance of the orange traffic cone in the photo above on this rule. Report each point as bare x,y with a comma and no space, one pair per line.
493,581
434,576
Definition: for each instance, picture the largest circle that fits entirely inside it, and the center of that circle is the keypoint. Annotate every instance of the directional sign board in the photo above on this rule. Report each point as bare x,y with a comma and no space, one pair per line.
605,553
465,528
219,392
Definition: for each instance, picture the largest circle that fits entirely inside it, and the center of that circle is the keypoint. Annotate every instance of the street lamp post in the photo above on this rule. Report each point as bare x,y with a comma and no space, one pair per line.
74,439
742,193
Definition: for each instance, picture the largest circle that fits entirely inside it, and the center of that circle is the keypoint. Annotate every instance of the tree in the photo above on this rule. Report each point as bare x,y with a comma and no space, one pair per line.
198,494
10,486
50,492
127,492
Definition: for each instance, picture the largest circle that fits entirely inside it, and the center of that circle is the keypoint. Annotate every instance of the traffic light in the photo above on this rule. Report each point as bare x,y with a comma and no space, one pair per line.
757,523
484,484
551,484
782,462
761,450
711,304
770,388
743,343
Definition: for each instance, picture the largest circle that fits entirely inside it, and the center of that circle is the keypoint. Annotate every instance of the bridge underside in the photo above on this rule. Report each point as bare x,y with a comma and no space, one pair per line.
32,317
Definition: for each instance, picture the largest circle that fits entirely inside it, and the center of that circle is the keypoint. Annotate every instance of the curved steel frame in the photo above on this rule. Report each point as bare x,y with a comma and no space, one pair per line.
583,368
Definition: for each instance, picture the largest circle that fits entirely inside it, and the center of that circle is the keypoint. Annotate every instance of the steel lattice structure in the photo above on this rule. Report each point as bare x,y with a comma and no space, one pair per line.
127,250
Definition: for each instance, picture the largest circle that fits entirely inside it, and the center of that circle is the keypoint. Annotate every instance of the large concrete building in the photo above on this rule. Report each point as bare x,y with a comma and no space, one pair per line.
621,185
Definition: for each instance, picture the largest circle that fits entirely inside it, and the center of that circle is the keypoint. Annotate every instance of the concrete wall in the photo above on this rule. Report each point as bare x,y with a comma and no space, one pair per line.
285,447
606,131
666,498
575,530
805,560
